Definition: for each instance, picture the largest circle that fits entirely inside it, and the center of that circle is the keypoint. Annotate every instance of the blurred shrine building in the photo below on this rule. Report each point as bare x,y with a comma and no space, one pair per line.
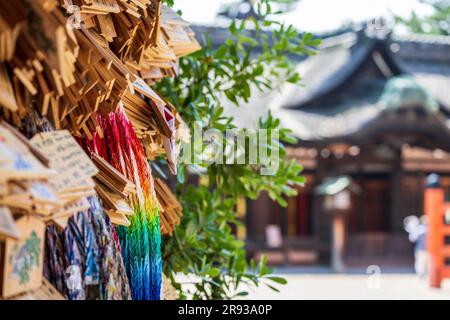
372,121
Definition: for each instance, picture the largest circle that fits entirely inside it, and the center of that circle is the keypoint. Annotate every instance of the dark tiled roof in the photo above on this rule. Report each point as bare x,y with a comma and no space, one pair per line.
336,80
343,118
427,57
336,111
423,47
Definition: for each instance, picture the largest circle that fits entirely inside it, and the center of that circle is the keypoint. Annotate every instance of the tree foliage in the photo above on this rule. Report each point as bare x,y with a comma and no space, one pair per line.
436,23
255,57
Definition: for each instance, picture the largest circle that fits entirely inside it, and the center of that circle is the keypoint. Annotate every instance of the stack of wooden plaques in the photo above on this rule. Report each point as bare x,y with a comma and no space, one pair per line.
62,72
180,37
152,140
40,60
161,117
129,27
26,198
148,37
71,74
44,180
175,40
24,175
103,80
9,33
114,190
138,35
171,213
73,182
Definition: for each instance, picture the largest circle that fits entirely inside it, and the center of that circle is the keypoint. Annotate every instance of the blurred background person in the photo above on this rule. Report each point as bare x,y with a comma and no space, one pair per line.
417,230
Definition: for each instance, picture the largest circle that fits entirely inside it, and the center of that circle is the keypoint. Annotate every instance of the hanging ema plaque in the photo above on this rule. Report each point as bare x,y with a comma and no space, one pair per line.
23,258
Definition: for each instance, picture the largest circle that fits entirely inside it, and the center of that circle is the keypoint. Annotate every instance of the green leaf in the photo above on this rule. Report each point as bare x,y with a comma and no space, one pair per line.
272,288
221,52
279,280
213,272
181,174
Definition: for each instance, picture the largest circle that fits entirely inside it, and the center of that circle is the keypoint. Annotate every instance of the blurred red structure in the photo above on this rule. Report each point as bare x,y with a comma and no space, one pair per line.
438,239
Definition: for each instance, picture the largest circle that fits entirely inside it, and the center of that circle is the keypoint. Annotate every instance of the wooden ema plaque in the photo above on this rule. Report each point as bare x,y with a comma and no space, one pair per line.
73,182
8,228
23,258
45,292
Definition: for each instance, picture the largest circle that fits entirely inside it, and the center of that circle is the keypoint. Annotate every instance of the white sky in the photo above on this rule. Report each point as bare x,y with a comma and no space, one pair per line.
312,15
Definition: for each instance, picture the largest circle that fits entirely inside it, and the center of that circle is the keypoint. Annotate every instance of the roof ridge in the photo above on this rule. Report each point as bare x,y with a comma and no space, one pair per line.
422,38
347,38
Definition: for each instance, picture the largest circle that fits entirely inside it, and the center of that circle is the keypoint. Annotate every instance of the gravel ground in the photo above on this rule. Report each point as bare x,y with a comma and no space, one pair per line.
316,283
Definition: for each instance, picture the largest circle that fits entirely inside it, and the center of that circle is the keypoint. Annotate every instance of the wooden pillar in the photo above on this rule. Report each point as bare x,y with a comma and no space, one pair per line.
362,205
292,215
397,193
322,219
338,242
434,207
260,213
421,180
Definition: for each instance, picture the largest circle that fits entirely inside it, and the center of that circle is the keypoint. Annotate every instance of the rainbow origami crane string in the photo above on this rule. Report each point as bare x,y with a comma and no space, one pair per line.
141,242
